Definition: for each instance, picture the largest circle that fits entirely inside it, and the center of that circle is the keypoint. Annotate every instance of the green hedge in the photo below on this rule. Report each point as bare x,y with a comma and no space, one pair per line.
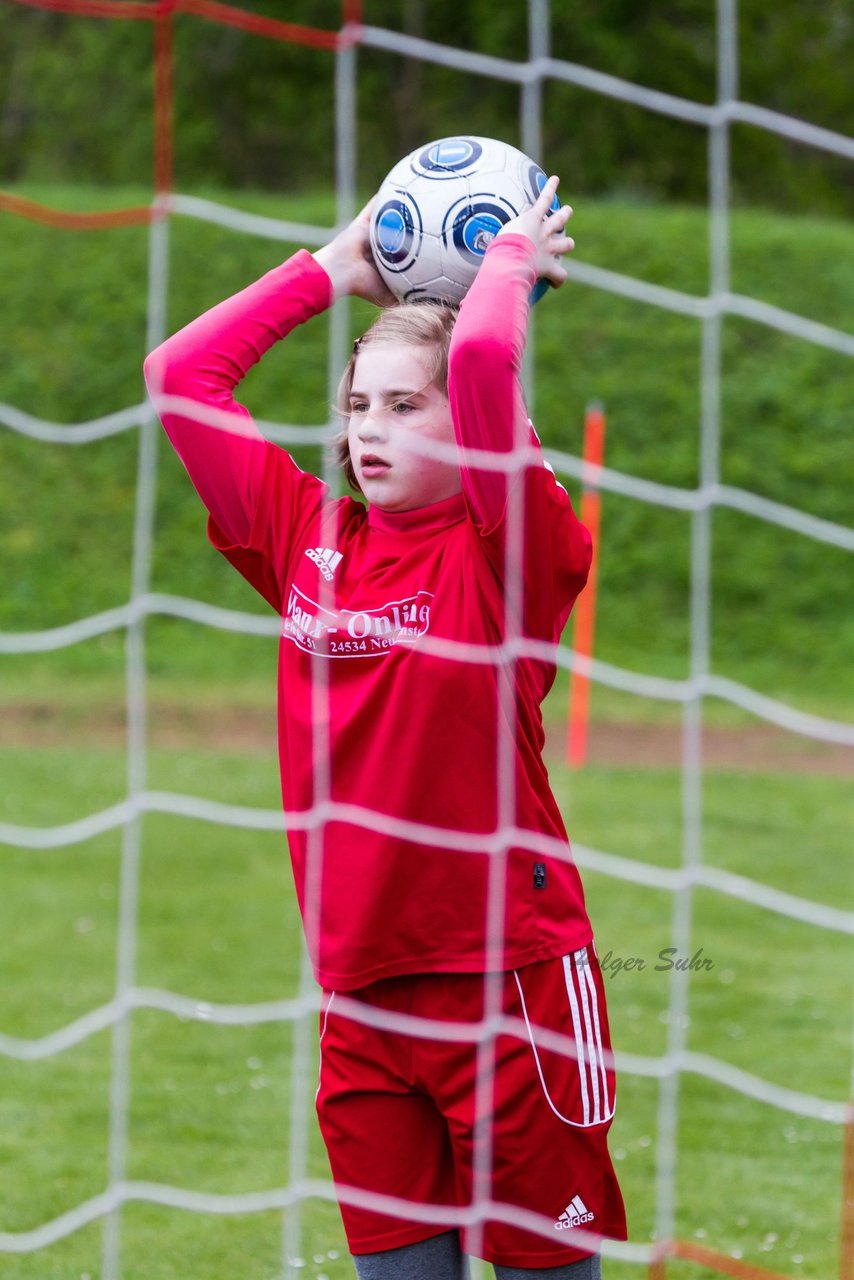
72,328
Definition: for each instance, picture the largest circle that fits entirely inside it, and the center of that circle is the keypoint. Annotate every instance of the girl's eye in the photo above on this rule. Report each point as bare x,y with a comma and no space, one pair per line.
403,406
358,407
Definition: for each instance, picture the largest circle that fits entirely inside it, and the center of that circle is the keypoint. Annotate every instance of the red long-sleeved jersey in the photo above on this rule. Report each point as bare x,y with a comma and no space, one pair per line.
443,849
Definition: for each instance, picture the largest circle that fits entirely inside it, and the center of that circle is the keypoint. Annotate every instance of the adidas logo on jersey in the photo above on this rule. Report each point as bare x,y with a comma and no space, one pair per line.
326,560
575,1214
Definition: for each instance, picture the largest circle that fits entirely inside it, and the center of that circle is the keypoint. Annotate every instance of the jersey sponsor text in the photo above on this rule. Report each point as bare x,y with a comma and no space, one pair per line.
359,633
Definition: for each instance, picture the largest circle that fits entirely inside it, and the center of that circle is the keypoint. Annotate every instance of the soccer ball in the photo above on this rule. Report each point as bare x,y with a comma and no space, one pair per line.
440,207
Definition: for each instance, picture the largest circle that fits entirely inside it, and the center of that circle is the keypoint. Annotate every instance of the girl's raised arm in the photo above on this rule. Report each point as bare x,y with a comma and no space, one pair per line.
192,376
489,414
485,358
223,451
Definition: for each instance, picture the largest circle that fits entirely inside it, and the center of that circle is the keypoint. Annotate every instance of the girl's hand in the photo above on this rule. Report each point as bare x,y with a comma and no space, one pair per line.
545,230
349,263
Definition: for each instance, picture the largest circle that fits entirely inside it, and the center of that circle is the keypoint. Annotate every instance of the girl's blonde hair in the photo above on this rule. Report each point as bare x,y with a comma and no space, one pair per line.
425,325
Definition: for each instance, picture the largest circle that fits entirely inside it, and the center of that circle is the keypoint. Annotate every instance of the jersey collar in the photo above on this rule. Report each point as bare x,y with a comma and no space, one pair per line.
437,516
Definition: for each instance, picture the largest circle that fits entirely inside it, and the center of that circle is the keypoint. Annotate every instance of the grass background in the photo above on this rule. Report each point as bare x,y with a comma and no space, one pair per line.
210,1105
785,432
217,922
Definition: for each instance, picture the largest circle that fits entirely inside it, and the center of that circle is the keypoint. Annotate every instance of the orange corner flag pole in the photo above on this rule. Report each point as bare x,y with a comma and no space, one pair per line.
585,608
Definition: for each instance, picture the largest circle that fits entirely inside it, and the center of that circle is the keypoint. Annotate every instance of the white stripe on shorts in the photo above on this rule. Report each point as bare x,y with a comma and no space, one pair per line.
579,1041
320,1044
591,1058
589,1053
600,1053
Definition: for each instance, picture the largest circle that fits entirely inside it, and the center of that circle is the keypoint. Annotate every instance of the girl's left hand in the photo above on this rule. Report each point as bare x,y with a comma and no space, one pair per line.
350,265
546,232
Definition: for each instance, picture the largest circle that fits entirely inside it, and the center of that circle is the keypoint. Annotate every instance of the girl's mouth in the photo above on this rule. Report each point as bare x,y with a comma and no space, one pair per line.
372,466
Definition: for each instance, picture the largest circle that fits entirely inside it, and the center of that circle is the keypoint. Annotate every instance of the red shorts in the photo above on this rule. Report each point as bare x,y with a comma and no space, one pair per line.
398,1114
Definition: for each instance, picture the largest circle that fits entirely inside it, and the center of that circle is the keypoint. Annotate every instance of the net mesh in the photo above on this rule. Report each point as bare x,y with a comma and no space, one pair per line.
689,694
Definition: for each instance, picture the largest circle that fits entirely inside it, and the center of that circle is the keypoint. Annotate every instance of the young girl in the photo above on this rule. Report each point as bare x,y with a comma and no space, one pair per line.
431,863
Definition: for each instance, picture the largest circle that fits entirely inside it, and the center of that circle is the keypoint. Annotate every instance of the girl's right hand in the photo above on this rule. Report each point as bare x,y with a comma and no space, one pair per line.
349,263
546,230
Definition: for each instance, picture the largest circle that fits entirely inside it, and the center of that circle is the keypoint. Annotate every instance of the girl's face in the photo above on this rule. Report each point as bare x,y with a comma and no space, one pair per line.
393,405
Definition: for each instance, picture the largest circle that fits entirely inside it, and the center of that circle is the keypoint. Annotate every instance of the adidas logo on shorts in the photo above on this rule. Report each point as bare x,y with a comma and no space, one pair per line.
326,560
575,1214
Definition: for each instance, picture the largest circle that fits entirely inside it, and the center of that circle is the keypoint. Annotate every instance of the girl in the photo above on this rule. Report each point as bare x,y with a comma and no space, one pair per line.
431,862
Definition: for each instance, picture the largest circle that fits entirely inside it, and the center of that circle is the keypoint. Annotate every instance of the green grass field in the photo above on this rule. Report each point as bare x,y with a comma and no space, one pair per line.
210,1104
217,921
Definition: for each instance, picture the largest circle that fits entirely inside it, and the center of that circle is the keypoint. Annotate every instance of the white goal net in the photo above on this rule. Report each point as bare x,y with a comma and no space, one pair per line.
647,1251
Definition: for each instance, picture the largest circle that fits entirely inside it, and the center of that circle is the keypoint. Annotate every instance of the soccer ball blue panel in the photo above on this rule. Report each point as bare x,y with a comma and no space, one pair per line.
439,208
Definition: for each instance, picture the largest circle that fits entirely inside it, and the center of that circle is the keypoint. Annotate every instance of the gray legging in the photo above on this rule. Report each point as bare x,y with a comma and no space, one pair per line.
440,1258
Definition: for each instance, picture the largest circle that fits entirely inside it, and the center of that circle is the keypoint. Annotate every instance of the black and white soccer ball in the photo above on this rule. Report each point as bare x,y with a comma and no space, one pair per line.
439,208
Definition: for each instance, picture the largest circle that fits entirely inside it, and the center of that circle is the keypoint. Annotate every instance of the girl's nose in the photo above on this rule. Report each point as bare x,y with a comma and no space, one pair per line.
370,428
